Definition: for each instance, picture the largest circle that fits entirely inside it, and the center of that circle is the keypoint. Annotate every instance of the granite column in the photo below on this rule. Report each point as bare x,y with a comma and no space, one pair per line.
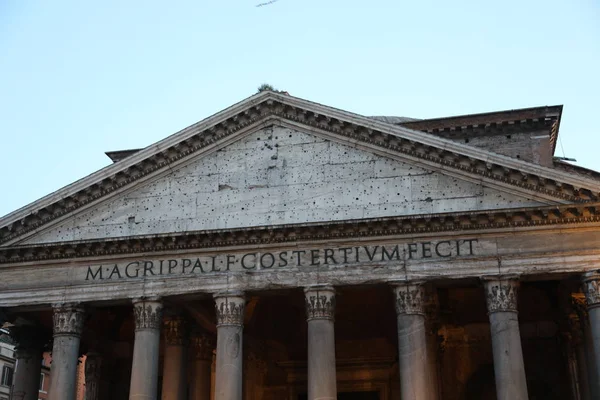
174,379
320,313
202,347
412,342
93,371
68,325
230,325
509,368
144,371
28,354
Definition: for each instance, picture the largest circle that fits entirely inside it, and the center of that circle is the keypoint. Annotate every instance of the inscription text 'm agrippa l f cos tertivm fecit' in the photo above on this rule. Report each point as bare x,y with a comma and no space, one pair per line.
264,260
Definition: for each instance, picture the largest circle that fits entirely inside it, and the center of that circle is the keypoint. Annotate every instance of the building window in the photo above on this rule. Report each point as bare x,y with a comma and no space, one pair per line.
7,374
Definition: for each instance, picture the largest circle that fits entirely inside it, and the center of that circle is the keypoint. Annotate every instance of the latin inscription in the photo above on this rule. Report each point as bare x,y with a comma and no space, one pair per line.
255,261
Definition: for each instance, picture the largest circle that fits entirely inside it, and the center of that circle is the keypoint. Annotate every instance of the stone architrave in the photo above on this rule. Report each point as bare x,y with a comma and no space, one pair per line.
28,354
202,347
591,289
501,296
175,360
68,322
229,308
144,371
409,299
320,316
93,371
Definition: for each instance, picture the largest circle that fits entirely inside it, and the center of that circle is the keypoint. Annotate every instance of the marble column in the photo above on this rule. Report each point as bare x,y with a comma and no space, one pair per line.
68,324
230,324
412,341
28,354
93,371
591,289
320,314
202,347
174,386
509,368
144,370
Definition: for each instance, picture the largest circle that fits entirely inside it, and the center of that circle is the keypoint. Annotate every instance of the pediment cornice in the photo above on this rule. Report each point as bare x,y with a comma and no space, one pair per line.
267,107
408,226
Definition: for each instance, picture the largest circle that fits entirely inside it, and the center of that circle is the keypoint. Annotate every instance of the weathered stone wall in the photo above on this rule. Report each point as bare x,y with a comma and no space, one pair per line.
528,146
278,176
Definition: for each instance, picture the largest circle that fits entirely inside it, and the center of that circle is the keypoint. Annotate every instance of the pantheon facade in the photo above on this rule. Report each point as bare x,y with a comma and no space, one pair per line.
282,249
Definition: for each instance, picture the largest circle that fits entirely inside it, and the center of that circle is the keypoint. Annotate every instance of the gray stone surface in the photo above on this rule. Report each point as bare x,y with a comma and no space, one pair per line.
67,329
509,368
229,364
228,375
26,380
413,361
320,303
65,352
144,370
278,176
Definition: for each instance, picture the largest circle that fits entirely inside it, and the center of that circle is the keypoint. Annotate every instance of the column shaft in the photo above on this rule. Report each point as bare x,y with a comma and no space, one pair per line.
175,361
68,325
412,342
26,380
202,347
144,371
320,311
509,368
93,370
230,324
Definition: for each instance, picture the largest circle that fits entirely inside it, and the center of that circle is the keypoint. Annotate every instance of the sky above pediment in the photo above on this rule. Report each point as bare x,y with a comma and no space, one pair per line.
83,79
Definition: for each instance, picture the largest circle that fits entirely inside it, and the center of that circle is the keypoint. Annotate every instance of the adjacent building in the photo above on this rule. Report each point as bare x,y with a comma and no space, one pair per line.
284,249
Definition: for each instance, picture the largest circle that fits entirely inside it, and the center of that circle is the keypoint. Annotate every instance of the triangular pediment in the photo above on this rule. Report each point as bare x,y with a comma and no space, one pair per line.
274,159
275,176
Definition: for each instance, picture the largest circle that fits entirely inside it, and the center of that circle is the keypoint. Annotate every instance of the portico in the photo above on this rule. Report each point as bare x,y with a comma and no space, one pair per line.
286,250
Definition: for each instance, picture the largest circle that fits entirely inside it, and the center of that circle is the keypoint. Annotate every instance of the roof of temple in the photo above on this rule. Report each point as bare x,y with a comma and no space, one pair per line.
262,109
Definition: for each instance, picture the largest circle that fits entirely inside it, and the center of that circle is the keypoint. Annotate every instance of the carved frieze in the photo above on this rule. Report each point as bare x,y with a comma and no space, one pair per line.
501,294
147,314
230,309
410,298
320,302
591,289
202,346
175,329
68,319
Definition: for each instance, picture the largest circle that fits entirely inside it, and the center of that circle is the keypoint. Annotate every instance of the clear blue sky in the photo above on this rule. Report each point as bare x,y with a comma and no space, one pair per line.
78,78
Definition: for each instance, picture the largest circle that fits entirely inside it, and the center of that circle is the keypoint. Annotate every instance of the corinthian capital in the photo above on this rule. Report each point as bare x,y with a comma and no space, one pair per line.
147,314
202,346
591,288
230,308
320,302
68,319
410,298
175,330
501,293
